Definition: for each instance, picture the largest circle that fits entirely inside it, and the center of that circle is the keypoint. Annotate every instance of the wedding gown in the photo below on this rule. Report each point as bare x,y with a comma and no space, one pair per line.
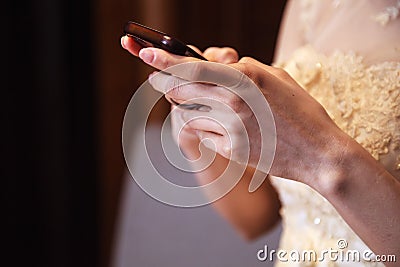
362,95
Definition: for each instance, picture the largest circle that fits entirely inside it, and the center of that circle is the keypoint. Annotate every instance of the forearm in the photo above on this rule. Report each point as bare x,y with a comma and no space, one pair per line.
252,214
366,196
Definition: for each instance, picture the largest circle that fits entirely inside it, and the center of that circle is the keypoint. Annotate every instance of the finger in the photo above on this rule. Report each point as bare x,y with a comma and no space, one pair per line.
129,44
211,98
205,124
253,70
220,120
191,69
161,59
224,55
250,60
182,90
215,142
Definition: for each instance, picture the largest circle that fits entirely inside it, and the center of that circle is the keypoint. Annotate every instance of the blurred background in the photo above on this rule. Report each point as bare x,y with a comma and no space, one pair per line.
67,85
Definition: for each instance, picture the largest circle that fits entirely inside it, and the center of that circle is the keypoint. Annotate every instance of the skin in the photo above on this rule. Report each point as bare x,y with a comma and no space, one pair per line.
310,149
234,206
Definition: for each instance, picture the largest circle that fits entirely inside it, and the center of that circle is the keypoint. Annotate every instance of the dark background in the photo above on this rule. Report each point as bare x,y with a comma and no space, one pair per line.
67,84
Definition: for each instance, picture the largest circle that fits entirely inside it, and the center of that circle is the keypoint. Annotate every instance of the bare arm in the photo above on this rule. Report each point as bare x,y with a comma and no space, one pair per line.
311,149
252,214
319,155
359,187
366,196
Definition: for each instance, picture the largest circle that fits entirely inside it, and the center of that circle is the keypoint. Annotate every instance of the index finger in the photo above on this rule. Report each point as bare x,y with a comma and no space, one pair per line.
192,69
161,59
130,45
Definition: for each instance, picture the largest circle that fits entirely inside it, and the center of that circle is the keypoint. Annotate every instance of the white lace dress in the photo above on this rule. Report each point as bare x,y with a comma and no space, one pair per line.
364,100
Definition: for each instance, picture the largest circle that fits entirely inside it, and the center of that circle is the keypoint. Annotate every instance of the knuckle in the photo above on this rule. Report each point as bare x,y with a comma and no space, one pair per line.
174,88
162,62
282,74
193,71
222,54
246,68
229,53
245,60
197,71
281,71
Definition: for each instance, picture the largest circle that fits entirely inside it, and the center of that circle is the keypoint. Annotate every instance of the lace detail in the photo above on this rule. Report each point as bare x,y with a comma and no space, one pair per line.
364,101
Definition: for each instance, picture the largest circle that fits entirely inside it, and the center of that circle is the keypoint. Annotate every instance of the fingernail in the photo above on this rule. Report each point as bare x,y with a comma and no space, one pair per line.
146,55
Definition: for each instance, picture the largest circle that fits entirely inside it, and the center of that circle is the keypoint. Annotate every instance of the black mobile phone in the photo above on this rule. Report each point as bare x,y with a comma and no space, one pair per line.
148,37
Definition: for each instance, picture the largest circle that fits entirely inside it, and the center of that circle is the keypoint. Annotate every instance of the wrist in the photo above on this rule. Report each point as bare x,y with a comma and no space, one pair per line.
341,162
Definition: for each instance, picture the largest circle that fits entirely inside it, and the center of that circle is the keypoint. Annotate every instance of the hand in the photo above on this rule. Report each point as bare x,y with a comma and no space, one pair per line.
224,55
186,136
308,141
